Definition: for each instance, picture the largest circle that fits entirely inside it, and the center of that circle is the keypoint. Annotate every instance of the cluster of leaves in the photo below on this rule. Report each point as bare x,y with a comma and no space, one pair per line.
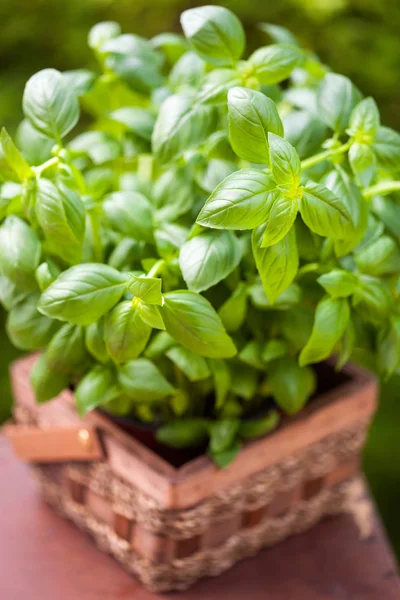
207,238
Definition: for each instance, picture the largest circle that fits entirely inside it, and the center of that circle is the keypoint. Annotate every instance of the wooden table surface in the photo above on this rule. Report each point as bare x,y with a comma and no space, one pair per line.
43,557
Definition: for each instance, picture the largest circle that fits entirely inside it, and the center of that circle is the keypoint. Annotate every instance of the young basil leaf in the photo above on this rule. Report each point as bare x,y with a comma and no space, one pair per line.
50,105
216,86
388,347
9,293
150,314
46,382
147,289
331,319
183,434
274,349
195,367
241,201
285,163
143,382
337,97
189,70
14,158
251,116
256,428
250,354
339,283
61,215
193,322
363,163
244,381
215,33
290,384
386,147
95,389
234,310
19,253
94,339
324,213
125,332
382,257
46,273
364,121
35,147
130,213
173,194
282,215
102,32
222,380
66,352
80,81
26,327
372,299
83,293
223,434
274,63
226,457
180,125
209,258
277,265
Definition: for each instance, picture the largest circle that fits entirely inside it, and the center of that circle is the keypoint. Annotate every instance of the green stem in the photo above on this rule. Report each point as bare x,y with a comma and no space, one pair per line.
381,189
156,268
318,158
46,165
96,237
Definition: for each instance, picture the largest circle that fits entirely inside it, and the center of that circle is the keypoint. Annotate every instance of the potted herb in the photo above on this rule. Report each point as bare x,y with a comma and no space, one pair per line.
188,263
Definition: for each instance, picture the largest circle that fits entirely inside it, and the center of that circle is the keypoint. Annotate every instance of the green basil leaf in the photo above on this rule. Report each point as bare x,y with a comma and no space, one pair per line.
189,70
143,382
94,339
50,104
347,345
239,202
172,45
372,299
324,213
274,63
19,253
147,289
337,97
125,254
222,380
99,147
95,389
193,322
290,384
226,457
285,163
234,310
209,258
140,72
183,434
35,147
80,81
304,131
342,186
274,349
282,215
212,173
216,86
46,382
279,34
14,158
46,273
388,211
256,428
382,257
251,116
150,314
169,238
244,381
364,121
338,283
388,347
9,293
66,352
102,32
83,293
180,125
159,344
173,194
26,327
215,33
125,332
130,213
363,163
386,147
195,367
251,353
331,319
223,434
137,120
277,265
61,214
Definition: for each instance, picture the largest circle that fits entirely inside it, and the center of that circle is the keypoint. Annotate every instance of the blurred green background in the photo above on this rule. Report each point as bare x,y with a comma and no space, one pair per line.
359,38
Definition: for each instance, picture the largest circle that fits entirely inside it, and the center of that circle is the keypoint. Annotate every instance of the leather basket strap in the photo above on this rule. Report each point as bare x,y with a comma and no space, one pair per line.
55,444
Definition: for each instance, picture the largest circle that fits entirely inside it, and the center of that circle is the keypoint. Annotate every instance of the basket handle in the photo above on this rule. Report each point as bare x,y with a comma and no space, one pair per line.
55,444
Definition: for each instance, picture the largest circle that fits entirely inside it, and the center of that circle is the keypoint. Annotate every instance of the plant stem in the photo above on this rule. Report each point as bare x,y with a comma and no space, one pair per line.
46,165
156,268
96,237
317,158
383,188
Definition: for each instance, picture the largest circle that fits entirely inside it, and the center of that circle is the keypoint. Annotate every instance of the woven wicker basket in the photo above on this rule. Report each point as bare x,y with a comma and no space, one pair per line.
171,526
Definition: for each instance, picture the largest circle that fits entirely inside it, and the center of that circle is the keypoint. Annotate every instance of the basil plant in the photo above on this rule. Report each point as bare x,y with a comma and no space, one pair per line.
217,223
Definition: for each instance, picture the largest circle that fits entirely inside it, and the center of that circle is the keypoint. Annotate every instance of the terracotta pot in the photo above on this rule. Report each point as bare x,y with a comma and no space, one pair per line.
171,525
